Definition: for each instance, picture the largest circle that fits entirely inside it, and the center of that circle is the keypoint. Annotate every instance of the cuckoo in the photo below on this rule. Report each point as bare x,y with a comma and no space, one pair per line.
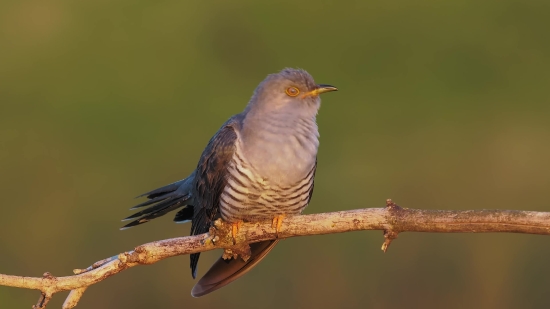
259,165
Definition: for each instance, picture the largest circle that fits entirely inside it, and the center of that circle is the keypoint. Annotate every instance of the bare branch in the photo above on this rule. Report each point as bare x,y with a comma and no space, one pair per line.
73,298
392,220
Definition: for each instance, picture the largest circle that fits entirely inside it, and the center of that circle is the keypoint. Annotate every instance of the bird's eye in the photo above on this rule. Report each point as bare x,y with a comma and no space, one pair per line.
292,91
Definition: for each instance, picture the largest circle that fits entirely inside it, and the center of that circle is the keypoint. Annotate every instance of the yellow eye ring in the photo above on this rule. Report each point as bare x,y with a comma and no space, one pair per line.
292,91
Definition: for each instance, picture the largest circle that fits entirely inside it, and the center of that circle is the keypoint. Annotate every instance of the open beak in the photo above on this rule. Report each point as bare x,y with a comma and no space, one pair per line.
320,89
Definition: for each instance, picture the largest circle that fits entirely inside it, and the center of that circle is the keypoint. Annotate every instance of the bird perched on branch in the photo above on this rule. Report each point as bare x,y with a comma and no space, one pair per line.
259,165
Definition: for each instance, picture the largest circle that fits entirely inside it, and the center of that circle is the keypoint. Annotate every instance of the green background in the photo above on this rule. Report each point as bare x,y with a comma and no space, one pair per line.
442,105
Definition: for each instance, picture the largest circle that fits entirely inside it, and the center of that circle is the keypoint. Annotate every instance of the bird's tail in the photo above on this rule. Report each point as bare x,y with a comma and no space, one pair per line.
163,200
224,272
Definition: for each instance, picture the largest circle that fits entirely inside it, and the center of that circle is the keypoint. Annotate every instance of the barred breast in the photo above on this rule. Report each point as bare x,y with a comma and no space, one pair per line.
250,197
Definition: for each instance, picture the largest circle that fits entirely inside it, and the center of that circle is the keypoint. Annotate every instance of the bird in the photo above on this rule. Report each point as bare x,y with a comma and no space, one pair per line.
259,165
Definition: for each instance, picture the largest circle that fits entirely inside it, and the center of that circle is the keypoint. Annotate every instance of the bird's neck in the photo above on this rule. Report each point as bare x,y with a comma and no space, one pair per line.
280,144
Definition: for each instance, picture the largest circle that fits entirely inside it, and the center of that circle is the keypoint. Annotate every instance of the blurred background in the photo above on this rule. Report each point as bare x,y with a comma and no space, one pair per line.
442,105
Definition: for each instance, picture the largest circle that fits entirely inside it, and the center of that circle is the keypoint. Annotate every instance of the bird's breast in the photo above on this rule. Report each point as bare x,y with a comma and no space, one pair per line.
279,151
273,181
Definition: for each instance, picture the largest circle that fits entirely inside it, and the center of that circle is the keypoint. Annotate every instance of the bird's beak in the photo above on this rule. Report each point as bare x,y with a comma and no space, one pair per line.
320,89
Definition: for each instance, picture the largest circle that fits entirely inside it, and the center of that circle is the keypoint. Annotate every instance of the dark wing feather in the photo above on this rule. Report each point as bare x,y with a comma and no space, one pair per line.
210,180
161,201
312,182
162,191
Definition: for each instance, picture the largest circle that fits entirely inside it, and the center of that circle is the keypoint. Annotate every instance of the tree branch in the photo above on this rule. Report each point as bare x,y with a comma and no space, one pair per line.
392,220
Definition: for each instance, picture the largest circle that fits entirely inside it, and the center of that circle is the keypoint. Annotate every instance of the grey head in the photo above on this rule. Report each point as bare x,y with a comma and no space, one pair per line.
289,92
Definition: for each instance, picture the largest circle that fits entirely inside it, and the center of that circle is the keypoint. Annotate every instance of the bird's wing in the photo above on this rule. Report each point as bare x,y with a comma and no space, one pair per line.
210,180
312,182
163,200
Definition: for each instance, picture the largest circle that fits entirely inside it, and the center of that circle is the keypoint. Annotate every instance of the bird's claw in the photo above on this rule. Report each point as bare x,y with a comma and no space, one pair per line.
235,227
277,223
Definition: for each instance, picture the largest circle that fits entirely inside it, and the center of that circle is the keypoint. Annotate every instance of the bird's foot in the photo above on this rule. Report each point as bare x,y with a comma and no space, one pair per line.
277,223
235,230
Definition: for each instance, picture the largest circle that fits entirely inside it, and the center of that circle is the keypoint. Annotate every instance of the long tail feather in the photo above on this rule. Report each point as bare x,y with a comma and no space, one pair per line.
224,272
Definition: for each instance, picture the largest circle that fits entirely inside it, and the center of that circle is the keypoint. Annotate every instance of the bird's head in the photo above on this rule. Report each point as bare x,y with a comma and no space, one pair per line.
290,91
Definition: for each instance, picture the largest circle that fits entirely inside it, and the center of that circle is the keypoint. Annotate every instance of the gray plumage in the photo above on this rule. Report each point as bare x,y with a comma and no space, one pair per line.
260,164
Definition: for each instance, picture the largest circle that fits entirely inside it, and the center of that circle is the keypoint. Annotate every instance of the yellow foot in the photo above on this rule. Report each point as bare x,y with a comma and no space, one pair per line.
235,229
278,222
